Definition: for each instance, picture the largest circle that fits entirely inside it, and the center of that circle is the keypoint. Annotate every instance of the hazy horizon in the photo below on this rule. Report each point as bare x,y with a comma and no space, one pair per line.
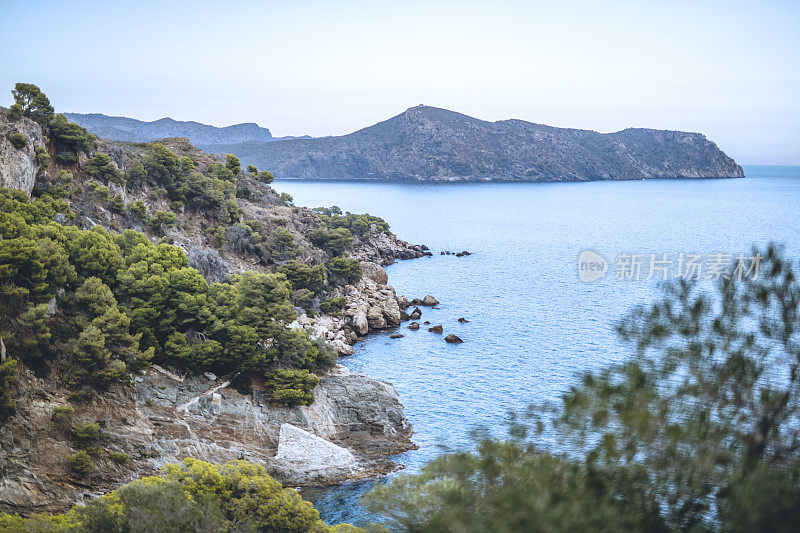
730,70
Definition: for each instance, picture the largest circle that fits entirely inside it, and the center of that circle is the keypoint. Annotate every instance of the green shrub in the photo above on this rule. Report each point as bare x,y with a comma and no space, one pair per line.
30,101
42,157
251,169
117,203
265,176
80,464
101,167
62,416
8,390
87,435
70,138
98,191
138,209
335,241
332,217
290,387
347,270
232,163
303,276
18,140
161,220
118,457
287,198
333,305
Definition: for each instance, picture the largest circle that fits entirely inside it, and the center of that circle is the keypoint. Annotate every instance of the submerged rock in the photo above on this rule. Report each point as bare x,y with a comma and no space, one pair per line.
436,329
396,336
463,320
414,326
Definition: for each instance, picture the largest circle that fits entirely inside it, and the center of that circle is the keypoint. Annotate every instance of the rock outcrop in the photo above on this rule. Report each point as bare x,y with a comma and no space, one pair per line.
18,167
347,433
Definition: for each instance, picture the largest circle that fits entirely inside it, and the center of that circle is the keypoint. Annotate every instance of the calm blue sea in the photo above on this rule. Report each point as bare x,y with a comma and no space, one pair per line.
533,324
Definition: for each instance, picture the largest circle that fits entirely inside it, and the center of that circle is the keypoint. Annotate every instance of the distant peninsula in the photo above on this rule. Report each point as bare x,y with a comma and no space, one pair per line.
431,144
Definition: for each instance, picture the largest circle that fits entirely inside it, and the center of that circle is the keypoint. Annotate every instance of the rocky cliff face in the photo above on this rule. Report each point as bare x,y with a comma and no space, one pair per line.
18,166
427,143
355,422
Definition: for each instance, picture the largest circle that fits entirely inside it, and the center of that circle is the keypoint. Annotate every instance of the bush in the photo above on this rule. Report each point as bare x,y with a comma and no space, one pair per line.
8,390
69,138
101,167
138,209
62,416
332,217
333,305
117,203
80,464
161,220
265,176
42,157
18,140
87,437
232,163
290,387
118,457
303,276
347,270
98,191
287,198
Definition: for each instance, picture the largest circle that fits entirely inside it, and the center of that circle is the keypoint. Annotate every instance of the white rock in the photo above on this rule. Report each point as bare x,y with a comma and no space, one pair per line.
210,376
309,452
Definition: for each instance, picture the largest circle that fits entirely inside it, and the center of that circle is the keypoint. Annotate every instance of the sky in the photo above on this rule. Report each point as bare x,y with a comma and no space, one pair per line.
730,70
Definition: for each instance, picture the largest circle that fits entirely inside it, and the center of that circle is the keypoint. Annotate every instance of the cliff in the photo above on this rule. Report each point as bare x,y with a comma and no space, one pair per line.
426,143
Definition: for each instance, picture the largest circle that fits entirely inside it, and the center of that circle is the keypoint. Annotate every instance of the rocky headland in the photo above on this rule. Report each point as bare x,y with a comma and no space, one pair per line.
166,414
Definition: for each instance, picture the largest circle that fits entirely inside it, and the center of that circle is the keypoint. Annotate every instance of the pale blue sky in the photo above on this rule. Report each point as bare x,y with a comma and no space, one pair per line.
728,69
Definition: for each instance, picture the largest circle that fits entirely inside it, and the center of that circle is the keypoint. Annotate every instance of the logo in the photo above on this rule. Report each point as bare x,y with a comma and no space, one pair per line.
591,266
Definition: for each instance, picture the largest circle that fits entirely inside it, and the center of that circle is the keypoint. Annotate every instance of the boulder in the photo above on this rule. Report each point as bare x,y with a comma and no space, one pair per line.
453,339
436,329
414,326
416,301
415,314
403,302
463,320
430,301
375,272
404,316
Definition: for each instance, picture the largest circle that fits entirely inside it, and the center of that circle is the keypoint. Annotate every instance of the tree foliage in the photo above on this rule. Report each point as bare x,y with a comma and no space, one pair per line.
191,496
30,101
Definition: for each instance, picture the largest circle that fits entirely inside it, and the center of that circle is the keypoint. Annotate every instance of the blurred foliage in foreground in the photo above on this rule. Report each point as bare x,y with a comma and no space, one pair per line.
192,496
699,432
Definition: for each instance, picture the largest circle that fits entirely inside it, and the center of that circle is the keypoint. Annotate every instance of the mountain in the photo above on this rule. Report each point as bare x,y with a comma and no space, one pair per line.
129,129
427,143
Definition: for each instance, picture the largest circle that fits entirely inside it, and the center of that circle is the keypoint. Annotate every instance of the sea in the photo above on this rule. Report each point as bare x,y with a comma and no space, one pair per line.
552,268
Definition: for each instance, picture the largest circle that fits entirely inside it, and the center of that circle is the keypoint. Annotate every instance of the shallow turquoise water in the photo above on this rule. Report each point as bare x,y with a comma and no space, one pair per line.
533,325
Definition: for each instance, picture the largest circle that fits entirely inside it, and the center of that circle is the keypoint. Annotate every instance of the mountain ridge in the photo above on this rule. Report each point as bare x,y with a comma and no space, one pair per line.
117,128
426,143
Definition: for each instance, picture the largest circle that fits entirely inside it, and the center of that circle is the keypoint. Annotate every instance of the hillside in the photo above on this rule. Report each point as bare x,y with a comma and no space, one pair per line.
159,303
129,129
428,143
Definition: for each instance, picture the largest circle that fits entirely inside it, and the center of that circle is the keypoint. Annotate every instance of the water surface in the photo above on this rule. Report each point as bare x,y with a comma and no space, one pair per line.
533,325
